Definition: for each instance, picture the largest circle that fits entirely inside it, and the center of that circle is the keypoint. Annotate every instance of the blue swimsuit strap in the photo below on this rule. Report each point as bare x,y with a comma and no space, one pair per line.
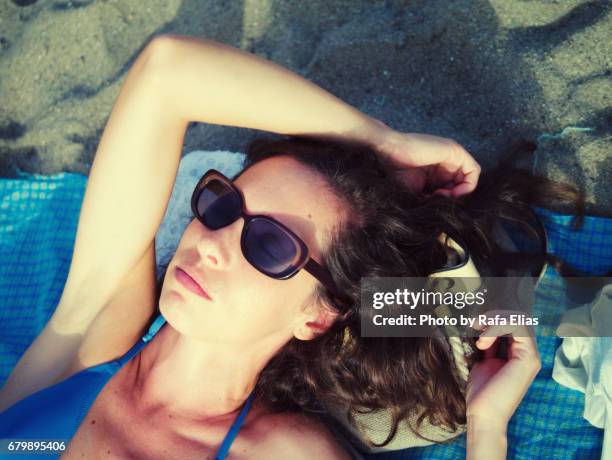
234,429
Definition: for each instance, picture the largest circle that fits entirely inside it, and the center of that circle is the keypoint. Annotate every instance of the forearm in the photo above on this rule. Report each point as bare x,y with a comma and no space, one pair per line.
485,441
214,83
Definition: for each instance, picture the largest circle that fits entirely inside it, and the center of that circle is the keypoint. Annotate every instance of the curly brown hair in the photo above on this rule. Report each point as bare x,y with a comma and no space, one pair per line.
391,231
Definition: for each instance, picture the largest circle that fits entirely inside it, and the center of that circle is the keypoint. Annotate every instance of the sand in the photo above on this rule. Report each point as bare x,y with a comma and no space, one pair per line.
490,74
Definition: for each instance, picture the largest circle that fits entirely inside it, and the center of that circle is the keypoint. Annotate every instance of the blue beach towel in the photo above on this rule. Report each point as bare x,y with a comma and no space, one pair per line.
38,221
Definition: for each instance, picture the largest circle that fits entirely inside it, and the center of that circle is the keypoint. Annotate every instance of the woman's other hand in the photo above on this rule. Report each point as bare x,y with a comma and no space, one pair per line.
430,163
496,386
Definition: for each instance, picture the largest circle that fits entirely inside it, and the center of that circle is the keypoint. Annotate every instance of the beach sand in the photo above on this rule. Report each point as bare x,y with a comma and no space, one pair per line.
493,75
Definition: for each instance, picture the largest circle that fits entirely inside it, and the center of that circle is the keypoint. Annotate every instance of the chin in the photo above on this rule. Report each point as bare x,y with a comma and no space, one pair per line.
178,312
171,305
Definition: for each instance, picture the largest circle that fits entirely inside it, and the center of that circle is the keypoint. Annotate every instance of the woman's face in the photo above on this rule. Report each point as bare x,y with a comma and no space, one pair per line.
248,306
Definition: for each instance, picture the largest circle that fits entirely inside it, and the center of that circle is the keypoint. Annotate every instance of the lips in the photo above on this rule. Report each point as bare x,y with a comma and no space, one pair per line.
191,282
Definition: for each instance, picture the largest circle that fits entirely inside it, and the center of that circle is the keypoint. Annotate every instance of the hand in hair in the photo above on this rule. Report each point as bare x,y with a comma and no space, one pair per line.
497,385
431,163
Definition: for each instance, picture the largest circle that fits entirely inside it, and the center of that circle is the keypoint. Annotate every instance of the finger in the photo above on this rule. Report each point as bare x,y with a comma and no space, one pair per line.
485,342
462,189
459,177
442,174
443,192
462,183
447,187
489,346
470,180
522,345
492,350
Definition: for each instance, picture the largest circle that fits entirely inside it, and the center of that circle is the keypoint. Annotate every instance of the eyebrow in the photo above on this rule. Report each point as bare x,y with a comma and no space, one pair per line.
311,248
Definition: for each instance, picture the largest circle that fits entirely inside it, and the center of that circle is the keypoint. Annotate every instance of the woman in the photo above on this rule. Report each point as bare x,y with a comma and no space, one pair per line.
187,392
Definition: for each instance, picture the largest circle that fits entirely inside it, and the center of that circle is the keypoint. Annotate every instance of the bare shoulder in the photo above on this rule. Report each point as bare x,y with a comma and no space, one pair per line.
297,436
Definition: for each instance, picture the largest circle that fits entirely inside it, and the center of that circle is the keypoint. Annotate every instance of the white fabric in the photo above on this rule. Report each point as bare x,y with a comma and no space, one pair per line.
584,361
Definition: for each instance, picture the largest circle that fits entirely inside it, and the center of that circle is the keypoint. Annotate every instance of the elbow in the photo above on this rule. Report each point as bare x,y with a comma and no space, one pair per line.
159,51
167,48
154,65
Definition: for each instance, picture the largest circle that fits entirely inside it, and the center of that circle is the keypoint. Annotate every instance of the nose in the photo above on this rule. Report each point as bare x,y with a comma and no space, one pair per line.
218,248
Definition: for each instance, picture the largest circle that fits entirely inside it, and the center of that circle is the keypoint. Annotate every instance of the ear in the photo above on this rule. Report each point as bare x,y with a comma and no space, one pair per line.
315,323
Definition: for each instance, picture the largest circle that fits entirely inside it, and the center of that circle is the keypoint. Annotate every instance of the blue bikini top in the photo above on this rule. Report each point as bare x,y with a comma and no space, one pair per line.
56,412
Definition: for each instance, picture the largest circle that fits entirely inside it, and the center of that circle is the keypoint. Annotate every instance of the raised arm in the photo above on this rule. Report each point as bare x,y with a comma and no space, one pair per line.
215,83
240,89
127,191
174,80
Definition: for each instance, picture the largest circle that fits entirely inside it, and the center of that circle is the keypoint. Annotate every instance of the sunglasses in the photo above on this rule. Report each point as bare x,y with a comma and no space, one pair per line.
266,244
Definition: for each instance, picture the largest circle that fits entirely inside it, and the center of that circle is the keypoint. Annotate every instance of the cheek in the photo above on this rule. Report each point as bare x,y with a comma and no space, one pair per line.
272,300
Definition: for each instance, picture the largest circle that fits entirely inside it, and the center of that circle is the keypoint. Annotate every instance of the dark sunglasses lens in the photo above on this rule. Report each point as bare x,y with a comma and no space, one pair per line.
218,204
270,248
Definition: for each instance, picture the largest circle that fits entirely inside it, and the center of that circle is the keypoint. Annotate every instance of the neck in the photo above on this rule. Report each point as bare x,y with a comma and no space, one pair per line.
193,379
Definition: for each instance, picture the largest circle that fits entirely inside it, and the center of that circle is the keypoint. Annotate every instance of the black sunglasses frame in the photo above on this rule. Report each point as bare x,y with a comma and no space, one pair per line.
305,261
